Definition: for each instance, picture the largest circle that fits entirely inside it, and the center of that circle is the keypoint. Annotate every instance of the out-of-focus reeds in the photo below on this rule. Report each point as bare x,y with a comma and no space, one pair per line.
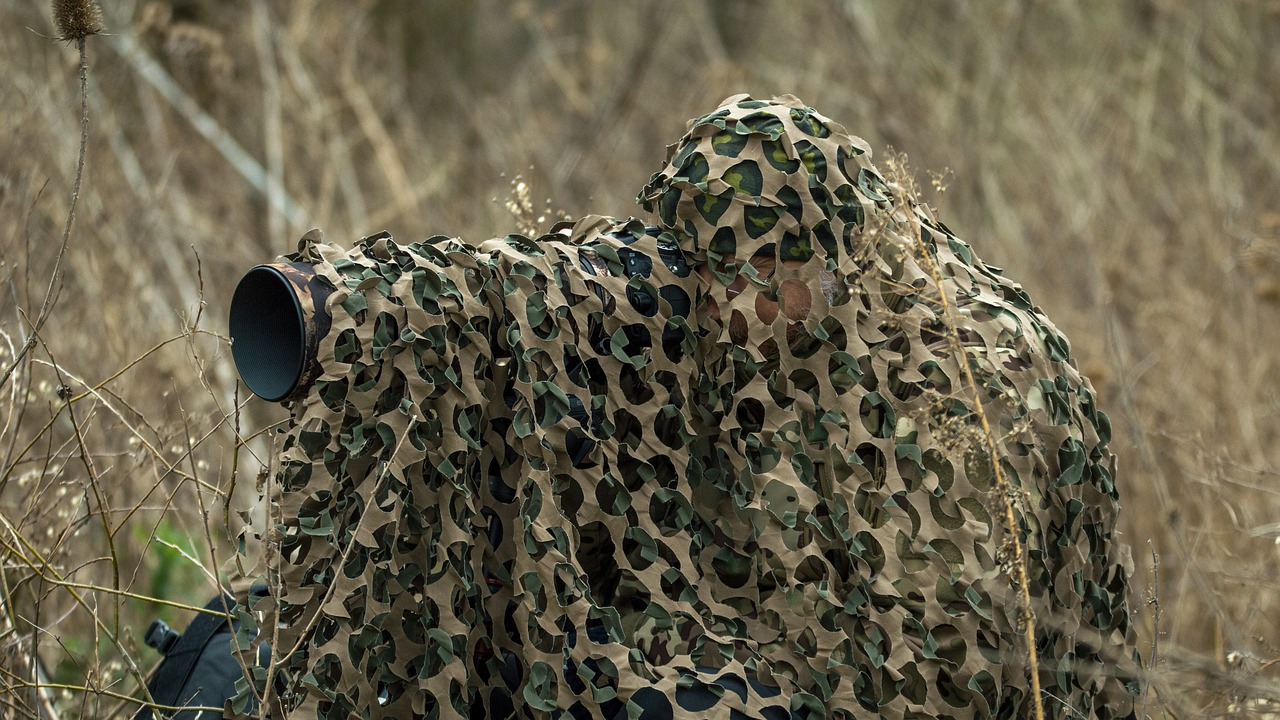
1121,159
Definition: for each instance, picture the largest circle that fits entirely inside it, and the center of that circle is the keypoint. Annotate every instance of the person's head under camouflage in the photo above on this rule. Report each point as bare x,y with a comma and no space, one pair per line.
566,477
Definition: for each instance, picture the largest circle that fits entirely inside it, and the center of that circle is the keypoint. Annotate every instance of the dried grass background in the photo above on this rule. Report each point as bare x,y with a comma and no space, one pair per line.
1121,159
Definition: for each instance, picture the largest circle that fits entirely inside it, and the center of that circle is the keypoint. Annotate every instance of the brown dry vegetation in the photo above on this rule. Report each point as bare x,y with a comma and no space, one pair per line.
1121,159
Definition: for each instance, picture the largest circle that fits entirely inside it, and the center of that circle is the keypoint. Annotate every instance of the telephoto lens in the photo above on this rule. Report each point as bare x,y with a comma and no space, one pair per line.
277,321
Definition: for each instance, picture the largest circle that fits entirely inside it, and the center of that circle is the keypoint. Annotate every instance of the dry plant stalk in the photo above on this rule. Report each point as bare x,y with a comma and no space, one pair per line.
1016,564
75,20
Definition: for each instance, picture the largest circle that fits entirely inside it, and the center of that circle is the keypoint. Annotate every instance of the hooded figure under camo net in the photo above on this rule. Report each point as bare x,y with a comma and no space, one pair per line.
723,465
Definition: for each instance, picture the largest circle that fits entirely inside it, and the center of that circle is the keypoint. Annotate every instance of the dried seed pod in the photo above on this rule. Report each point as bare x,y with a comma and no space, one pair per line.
77,19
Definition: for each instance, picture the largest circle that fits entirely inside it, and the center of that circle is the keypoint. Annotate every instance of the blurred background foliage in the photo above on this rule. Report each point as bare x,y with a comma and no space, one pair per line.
1120,158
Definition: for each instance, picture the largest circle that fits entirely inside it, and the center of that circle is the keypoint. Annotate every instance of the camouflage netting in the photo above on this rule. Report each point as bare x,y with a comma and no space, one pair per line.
569,472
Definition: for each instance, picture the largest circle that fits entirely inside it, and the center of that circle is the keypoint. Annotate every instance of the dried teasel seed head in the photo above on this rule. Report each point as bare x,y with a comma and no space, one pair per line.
77,19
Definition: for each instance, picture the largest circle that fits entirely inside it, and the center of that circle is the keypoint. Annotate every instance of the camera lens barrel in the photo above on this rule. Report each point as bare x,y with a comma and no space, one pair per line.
277,320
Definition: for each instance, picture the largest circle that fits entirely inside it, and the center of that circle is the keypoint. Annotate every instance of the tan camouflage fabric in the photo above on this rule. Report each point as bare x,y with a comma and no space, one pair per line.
560,471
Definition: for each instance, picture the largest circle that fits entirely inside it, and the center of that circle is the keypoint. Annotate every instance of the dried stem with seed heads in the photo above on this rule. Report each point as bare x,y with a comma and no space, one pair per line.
1004,492
75,20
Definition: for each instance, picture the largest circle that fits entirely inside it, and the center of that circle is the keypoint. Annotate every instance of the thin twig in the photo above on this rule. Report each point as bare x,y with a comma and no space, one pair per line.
104,510
128,698
170,467
305,635
212,575
42,568
55,280
92,390
274,558
1155,636
45,703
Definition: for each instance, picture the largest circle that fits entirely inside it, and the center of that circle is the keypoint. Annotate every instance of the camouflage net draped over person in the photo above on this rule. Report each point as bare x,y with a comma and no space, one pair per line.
560,475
